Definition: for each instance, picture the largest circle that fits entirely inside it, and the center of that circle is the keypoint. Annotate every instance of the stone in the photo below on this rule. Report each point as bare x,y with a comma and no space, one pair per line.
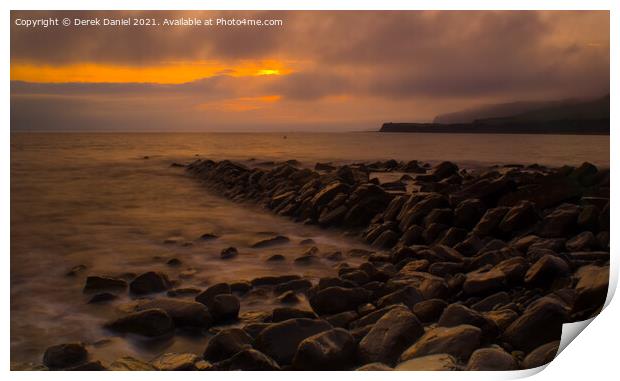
491,359
273,280
149,323
591,288
519,217
285,313
276,258
459,342
224,307
502,317
248,360
280,340
541,355
88,366
371,317
184,313
272,241
443,170
386,240
330,350
229,252
174,262
333,300
241,287
408,296
544,271
429,311
457,314
588,218
490,221
342,319
288,297
149,282
103,283
227,343
129,363
584,241
468,213
374,367
387,339
102,297
217,289
540,323
560,222
209,236
175,361
438,362
491,301
64,356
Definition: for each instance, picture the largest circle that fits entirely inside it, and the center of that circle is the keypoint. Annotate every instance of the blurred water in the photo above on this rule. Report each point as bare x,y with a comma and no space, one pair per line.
94,199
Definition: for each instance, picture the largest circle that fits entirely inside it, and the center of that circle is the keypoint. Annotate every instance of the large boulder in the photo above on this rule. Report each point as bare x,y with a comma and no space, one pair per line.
227,343
492,359
394,332
459,341
149,282
540,323
64,356
280,340
150,323
184,313
333,300
330,350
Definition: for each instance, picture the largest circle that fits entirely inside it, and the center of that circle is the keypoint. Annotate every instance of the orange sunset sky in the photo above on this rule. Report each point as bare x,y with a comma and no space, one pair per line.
323,71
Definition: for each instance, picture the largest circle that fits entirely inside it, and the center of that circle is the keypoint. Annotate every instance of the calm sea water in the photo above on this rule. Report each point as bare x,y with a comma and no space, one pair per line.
93,199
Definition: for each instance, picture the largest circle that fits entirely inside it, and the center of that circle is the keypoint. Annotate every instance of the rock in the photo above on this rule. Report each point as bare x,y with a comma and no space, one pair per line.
333,216
293,285
224,307
64,356
439,216
443,170
342,319
588,218
174,262
129,363
394,332
184,313
273,280
490,221
459,341
428,311
276,258
408,296
217,289
468,213
541,355
334,256
324,167
249,360
330,350
518,217
548,193
75,270
439,362
371,317
149,282
584,241
591,288
325,195
227,343
491,301
285,313
484,281
280,340
102,283
306,259
209,236
229,252
561,222
102,297
175,361
502,317
540,323
288,297
88,366
272,241
374,367
493,359
149,323
241,287
386,240
546,270
333,300
413,235
457,314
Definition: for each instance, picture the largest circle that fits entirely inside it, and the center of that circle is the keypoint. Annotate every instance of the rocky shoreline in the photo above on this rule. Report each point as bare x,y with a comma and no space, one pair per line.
466,270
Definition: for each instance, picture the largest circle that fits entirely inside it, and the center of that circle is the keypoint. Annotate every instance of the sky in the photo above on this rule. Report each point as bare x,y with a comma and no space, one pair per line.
318,71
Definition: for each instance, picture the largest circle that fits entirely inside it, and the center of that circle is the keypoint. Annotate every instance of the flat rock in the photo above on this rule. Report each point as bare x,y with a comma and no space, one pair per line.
330,350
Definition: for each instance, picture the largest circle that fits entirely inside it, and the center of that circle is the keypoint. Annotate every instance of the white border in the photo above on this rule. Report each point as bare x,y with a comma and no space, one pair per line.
592,356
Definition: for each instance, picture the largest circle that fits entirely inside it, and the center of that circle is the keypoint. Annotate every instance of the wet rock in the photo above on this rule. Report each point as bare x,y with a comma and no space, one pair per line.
457,314
560,222
227,343
540,323
293,285
502,317
443,170
149,282
217,289
429,311
546,270
548,193
330,350
64,356
518,217
374,367
408,296
176,361
332,216
102,298
241,287
491,301
371,317
357,277
386,240
333,300
491,359
229,252
468,213
324,167
276,258
541,355
129,363
224,307
286,313
591,288
413,235
149,323
306,259
413,212
103,283
334,256
459,341
439,362
209,236
394,332
288,297
272,241
489,223
280,340
249,360
184,313
584,241
439,216
342,319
